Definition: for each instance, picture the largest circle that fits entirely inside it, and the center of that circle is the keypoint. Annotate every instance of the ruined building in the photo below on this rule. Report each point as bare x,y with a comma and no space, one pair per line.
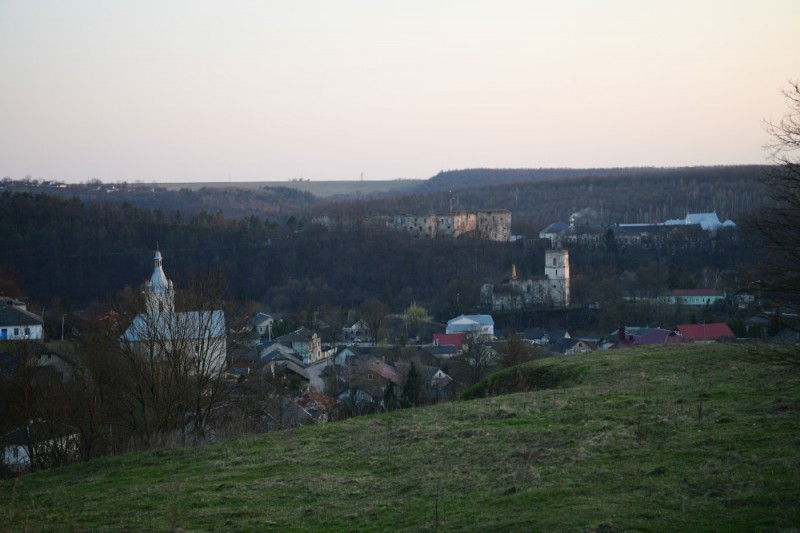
492,225
550,290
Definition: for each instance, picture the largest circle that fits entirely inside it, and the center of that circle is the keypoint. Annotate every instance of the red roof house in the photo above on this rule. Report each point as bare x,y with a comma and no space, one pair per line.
705,332
459,340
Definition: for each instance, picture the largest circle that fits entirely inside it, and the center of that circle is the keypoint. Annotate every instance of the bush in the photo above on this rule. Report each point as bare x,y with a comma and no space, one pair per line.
522,378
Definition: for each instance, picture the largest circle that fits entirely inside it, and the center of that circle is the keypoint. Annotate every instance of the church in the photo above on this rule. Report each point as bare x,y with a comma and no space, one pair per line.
195,339
550,290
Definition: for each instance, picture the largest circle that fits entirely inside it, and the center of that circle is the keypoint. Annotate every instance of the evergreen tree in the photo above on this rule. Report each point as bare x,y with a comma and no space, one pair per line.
413,391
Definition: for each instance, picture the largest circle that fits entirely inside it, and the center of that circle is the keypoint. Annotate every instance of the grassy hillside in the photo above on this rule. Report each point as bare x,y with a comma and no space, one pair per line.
661,439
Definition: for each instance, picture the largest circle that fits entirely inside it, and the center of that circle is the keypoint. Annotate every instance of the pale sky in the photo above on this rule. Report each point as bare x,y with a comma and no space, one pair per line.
263,90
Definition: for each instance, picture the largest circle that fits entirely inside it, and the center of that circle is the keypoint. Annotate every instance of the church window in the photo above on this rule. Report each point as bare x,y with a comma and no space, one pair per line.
554,261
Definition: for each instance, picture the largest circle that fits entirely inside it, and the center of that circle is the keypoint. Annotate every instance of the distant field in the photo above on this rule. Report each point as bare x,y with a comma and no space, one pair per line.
321,189
663,438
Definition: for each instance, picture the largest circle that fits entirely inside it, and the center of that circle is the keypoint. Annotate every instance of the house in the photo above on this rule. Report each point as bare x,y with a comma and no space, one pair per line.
679,235
553,233
442,353
39,444
641,336
262,324
305,342
456,340
318,405
744,298
481,325
348,355
17,323
257,358
377,371
278,360
198,337
705,332
368,383
692,297
543,337
43,364
786,336
358,332
437,384
571,346
62,367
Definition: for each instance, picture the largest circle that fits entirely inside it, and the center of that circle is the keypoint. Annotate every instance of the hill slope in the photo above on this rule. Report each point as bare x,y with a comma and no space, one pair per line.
667,438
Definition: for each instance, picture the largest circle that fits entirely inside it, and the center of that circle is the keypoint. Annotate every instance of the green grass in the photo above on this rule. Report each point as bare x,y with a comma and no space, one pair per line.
659,439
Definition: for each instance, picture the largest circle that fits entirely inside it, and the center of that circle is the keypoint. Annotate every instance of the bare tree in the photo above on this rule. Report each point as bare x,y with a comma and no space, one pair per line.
514,351
479,357
174,361
373,312
779,222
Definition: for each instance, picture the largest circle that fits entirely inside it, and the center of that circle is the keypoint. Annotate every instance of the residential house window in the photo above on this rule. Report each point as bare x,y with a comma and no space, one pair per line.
16,332
27,332
369,376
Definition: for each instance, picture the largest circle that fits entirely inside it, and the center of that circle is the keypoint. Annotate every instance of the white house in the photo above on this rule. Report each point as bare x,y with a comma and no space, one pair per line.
482,325
262,323
17,323
39,445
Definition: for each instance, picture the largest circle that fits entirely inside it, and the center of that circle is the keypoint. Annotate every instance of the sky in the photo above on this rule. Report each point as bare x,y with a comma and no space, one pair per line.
261,90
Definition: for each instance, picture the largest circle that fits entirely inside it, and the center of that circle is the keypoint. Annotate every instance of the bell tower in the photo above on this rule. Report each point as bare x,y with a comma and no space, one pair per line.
556,269
158,290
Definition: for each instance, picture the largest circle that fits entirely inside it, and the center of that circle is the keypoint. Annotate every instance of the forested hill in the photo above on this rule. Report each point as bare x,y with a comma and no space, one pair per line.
55,248
56,252
228,200
481,177
537,198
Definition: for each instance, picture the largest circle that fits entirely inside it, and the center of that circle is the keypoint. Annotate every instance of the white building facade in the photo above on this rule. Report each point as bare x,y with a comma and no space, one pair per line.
17,323
197,338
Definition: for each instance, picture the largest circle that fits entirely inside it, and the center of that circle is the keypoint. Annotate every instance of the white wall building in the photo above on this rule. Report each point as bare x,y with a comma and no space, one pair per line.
17,323
482,325
196,337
